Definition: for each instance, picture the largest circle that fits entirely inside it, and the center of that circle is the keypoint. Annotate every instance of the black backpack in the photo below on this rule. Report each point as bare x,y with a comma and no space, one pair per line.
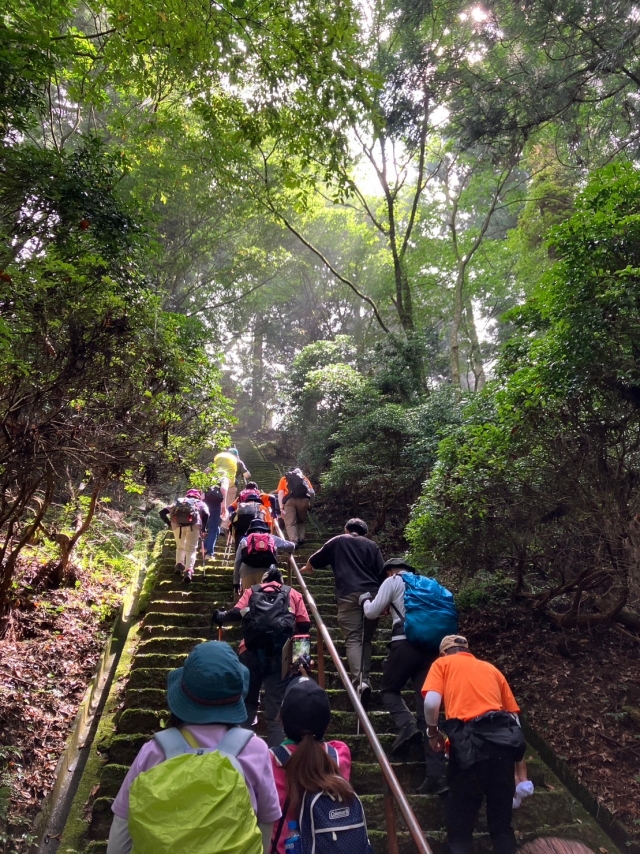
268,624
213,496
296,484
245,514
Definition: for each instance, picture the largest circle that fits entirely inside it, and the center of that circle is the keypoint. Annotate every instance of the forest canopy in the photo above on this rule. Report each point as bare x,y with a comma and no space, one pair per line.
402,233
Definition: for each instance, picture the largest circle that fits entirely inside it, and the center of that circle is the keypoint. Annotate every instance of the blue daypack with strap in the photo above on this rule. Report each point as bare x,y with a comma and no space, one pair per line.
430,612
327,826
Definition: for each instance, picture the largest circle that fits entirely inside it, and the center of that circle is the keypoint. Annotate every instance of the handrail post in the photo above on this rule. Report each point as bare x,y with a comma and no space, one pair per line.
396,792
320,646
390,820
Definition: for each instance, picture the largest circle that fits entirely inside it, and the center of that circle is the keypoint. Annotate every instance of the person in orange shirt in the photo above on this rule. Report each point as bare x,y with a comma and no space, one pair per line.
485,742
295,494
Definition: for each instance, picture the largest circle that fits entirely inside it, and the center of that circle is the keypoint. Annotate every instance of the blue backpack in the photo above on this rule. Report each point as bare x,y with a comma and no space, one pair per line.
430,612
326,826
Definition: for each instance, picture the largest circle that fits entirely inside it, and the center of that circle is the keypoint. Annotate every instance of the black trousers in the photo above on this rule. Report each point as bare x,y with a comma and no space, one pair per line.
492,779
404,663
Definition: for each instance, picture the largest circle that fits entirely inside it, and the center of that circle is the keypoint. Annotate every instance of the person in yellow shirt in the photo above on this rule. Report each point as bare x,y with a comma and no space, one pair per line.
485,738
229,466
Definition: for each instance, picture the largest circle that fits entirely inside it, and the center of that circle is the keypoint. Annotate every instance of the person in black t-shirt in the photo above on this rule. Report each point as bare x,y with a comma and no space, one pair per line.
357,565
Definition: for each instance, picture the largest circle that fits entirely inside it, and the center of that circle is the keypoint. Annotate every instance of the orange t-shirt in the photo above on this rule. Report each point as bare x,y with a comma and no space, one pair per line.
469,686
282,484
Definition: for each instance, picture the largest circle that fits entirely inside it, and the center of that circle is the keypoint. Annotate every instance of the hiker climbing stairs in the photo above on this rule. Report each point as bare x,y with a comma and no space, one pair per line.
177,616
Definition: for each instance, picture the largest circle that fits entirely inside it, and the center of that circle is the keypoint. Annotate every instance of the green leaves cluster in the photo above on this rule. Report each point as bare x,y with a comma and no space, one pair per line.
542,475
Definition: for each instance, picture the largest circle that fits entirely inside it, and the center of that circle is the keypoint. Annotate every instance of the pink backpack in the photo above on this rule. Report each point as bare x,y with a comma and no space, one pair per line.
260,551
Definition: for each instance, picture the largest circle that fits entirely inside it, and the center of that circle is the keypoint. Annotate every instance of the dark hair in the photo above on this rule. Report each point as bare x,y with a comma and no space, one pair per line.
453,649
311,769
251,484
272,574
356,526
554,845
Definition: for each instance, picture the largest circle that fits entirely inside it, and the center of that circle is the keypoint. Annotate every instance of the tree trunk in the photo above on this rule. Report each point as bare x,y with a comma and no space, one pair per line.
257,379
10,563
456,321
476,355
67,544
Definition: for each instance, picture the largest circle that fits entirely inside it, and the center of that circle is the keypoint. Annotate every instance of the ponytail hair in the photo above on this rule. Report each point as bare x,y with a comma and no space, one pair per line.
311,769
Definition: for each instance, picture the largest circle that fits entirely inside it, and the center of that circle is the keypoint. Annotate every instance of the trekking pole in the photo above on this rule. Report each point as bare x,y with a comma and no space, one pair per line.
204,563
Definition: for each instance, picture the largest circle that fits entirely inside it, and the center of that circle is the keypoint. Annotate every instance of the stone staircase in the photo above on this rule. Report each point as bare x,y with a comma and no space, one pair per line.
177,617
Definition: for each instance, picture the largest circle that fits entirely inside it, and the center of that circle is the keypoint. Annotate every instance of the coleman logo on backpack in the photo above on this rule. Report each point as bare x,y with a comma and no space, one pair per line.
260,551
185,513
327,829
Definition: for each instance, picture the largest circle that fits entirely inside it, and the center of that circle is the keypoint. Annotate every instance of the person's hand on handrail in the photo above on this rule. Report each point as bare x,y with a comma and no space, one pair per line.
307,568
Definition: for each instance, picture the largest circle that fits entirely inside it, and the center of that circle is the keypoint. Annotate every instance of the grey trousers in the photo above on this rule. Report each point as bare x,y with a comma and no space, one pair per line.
352,622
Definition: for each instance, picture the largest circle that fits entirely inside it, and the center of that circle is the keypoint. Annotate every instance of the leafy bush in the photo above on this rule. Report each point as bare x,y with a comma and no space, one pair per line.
541,478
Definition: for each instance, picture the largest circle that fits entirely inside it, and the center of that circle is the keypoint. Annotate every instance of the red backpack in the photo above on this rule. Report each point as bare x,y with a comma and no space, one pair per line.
260,551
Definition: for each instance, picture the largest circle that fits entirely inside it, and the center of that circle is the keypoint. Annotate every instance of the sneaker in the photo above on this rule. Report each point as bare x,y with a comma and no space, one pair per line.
208,556
179,568
187,576
433,786
364,691
409,734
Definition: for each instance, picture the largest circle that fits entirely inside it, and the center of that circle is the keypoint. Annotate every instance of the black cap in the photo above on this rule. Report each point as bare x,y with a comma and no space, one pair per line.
256,525
397,563
305,709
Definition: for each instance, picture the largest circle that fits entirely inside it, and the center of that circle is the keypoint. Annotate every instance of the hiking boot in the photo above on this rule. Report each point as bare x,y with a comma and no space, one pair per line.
187,576
300,543
364,691
409,734
179,568
433,786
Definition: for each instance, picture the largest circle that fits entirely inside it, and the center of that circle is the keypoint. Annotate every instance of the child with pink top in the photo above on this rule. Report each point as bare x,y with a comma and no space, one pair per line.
305,715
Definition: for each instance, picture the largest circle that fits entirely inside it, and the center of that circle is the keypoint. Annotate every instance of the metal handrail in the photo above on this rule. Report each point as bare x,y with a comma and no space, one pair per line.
393,789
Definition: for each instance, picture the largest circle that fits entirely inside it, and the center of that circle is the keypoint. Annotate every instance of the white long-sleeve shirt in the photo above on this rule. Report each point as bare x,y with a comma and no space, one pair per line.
391,592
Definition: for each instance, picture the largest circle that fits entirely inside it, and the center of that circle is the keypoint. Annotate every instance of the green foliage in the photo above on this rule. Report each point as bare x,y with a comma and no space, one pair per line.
98,382
541,476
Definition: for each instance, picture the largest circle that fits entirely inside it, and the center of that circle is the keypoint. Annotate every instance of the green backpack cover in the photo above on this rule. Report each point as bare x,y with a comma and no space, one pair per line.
196,801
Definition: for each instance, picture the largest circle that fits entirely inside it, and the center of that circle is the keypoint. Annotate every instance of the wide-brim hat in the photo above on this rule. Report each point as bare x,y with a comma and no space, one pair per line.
211,687
258,525
305,709
397,563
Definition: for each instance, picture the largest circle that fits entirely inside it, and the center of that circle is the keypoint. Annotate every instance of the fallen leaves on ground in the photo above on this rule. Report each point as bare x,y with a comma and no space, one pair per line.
47,659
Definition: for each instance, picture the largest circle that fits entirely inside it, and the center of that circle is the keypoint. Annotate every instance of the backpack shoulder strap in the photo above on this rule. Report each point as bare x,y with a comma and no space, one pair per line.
172,742
333,754
281,754
256,588
235,741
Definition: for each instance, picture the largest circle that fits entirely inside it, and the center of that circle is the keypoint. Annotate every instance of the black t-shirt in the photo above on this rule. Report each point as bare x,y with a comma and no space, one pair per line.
357,563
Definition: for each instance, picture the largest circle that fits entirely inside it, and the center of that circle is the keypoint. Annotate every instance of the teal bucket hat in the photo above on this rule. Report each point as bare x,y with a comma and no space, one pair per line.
211,687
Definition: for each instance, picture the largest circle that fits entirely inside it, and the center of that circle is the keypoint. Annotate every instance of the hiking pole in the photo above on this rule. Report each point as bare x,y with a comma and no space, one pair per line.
204,563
